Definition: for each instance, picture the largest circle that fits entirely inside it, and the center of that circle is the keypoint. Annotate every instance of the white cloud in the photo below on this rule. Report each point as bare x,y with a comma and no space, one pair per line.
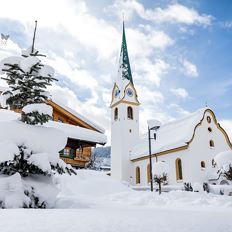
180,92
148,96
69,16
178,110
173,13
150,72
9,49
143,44
80,77
189,68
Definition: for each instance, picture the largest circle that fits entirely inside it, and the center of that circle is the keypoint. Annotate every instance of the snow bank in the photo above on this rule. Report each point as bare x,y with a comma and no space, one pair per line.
180,199
90,183
7,115
89,188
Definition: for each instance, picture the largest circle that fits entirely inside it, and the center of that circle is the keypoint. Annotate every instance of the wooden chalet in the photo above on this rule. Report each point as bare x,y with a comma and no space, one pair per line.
82,133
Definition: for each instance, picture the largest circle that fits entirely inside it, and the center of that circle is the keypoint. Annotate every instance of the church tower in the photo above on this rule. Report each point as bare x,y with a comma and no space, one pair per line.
124,117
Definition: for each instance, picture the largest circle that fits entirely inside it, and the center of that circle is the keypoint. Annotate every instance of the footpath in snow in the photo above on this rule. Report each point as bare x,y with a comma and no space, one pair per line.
92,201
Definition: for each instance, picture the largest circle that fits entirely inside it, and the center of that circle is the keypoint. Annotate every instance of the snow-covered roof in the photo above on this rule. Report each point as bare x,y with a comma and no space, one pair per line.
171,135
78,115
70,131
73,112
76,132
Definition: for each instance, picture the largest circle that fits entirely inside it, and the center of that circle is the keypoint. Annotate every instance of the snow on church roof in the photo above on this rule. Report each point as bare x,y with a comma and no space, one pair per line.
170,135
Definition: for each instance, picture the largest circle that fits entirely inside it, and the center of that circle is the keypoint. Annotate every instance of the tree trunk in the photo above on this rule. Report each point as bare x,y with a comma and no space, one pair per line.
159,187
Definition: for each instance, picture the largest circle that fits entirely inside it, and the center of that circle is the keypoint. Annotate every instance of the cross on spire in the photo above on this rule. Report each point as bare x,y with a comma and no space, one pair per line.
33,41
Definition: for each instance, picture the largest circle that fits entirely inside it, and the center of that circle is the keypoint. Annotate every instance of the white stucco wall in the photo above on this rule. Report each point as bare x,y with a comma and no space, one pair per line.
124,133
198,150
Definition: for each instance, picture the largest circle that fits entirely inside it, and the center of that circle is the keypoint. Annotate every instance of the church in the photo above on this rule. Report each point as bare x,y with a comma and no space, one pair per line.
187,145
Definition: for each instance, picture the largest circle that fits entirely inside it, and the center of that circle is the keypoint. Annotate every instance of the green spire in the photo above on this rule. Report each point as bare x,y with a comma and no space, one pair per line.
124,59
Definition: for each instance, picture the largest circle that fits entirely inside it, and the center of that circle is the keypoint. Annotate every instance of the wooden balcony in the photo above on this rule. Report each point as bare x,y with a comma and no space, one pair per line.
80,163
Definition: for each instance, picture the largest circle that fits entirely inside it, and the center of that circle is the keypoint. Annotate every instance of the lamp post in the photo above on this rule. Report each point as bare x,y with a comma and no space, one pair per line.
152,125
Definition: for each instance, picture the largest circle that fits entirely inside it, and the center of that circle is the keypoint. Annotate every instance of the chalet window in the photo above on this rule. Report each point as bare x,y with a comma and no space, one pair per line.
60,120
72,153
137,175
209,129
116,114
66,152
211,143
129,112
208,119
179,175
148,174
202,164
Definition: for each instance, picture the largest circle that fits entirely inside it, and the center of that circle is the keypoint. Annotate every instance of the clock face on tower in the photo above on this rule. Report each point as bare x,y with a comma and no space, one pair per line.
116,93
129,92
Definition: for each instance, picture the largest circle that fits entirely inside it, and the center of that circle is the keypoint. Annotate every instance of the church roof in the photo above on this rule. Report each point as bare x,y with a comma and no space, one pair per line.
171,135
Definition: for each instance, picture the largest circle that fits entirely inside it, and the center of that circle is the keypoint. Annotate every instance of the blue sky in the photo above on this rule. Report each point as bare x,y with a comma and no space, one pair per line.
180,52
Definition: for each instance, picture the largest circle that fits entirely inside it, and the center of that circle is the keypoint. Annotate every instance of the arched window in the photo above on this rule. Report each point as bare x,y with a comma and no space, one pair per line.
129,112
137,175
209,129
202,164
211,143
179,175
116,114
148,174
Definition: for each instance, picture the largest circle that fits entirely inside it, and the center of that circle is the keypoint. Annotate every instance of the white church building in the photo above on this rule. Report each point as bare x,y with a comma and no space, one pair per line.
188,145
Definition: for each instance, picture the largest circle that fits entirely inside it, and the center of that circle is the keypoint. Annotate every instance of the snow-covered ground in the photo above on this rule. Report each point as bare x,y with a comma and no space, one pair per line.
92,201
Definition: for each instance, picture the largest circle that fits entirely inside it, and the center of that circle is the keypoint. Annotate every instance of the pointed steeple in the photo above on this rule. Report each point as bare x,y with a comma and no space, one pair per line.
124,63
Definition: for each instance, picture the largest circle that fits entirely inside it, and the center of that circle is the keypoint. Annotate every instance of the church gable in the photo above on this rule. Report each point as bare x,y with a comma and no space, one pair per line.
211,131
178,135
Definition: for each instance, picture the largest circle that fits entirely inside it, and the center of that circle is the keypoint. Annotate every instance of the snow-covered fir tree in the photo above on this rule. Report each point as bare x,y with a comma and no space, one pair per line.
28,79
223,161
29,151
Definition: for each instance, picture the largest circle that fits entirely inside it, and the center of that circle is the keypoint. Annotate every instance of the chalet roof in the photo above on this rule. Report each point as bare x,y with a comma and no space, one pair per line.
71,131
80,133
171,135
73,112
78,115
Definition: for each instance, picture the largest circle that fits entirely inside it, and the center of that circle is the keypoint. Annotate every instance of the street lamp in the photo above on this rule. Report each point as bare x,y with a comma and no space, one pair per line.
152,125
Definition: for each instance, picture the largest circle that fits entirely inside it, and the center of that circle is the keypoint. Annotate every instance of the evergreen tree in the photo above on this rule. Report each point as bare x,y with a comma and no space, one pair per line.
28,78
